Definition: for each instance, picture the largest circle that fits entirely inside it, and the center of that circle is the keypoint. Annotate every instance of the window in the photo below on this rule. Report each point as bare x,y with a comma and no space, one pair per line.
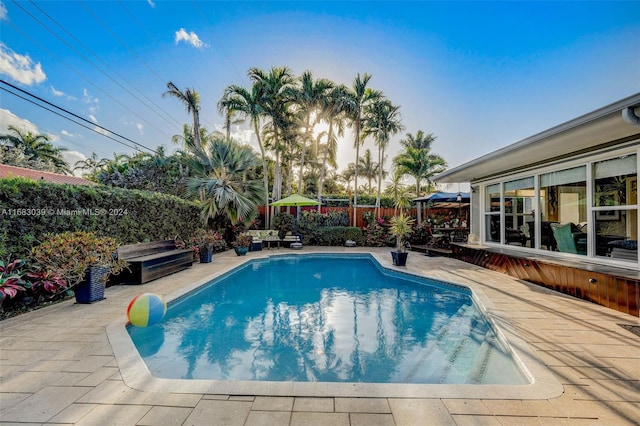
615,213
492,213
563,201
588,210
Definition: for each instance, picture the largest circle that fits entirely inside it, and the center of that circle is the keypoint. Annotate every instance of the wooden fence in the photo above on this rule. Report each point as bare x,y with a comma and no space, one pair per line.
385,211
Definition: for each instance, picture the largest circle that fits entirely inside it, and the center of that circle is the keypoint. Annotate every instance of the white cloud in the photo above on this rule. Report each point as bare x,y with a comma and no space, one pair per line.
151,3
3,12
190,38
140,128
66,133
59,93
93,118
20,67
7,118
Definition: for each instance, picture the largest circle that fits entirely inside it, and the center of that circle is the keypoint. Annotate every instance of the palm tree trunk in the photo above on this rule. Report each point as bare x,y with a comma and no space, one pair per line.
380,157
355,176
324,165
265,173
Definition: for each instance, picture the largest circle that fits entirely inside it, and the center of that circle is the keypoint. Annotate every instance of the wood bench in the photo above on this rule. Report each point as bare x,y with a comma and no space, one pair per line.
149,261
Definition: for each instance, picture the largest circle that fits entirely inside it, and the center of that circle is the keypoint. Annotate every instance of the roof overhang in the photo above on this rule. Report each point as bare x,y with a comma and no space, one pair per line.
593,131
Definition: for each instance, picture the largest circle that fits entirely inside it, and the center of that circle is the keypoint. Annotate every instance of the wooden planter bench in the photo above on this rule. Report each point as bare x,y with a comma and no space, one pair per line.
149,261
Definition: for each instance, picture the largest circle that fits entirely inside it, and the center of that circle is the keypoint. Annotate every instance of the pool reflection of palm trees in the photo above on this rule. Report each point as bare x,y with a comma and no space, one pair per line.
297,330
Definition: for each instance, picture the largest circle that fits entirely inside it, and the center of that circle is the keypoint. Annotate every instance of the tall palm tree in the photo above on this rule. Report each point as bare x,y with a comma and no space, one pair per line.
223,185
191,100
382,121
275,86
332,110
307,99
247,103
36,148
359,97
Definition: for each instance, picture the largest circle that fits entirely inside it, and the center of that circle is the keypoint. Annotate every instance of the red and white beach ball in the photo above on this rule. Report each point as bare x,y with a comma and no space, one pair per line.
146,309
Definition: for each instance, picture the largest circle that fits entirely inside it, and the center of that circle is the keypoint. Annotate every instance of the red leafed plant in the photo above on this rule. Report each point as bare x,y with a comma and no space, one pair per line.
47,282
11,282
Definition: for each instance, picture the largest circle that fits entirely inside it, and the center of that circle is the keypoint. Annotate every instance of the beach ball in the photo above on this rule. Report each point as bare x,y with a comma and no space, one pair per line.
146,309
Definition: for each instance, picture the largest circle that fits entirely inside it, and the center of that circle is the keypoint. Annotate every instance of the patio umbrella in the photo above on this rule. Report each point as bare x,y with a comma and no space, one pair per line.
295,200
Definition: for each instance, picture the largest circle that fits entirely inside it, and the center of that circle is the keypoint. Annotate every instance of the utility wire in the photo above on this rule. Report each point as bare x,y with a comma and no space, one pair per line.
166,114
150,37
136,144
86,59
122,42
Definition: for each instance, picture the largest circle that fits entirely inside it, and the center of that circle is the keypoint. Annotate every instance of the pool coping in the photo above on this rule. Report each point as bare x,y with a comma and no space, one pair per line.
544,385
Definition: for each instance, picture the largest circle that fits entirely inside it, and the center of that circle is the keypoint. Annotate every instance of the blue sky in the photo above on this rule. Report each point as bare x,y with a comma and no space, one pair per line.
478,75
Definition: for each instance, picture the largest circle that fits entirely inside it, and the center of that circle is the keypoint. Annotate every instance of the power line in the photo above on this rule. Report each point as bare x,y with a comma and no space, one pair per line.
77,72
167,115
136,144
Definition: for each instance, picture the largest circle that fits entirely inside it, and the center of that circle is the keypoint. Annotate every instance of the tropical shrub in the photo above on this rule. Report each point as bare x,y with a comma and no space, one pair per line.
377,235
283,223
70,255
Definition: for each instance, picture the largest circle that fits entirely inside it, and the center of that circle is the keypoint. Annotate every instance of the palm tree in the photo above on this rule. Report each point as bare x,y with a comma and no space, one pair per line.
187,140
382,121
238,100
368,168
348,174
333,112
36,148
420,164
419,141
308,98
223,185
92,163
275,87
191,100
359,97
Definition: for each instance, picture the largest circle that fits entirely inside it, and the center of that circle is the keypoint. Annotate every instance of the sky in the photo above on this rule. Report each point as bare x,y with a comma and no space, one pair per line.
477,75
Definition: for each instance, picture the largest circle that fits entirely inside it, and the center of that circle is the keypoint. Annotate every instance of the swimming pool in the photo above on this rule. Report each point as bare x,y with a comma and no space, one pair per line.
327,318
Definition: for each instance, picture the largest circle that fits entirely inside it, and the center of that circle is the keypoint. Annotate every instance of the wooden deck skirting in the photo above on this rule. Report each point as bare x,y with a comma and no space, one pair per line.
614,288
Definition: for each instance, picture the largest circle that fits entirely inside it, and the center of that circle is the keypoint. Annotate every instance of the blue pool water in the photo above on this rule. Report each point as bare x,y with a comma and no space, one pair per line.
328,319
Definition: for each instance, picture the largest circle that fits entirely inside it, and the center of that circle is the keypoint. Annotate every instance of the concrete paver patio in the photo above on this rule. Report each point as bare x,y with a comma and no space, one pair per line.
58,366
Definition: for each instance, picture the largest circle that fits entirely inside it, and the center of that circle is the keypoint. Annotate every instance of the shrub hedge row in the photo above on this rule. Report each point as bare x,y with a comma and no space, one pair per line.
31,209
335,236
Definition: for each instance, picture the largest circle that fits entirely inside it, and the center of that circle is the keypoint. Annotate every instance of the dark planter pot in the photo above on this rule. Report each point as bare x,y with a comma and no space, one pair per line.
241,251
206,256
399,258
92,288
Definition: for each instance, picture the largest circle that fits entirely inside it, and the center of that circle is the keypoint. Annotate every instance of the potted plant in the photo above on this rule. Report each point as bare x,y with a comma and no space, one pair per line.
242,243
207,242
401,228
84,259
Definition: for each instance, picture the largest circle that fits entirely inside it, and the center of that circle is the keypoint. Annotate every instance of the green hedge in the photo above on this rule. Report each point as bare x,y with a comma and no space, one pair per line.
30,209
337,235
